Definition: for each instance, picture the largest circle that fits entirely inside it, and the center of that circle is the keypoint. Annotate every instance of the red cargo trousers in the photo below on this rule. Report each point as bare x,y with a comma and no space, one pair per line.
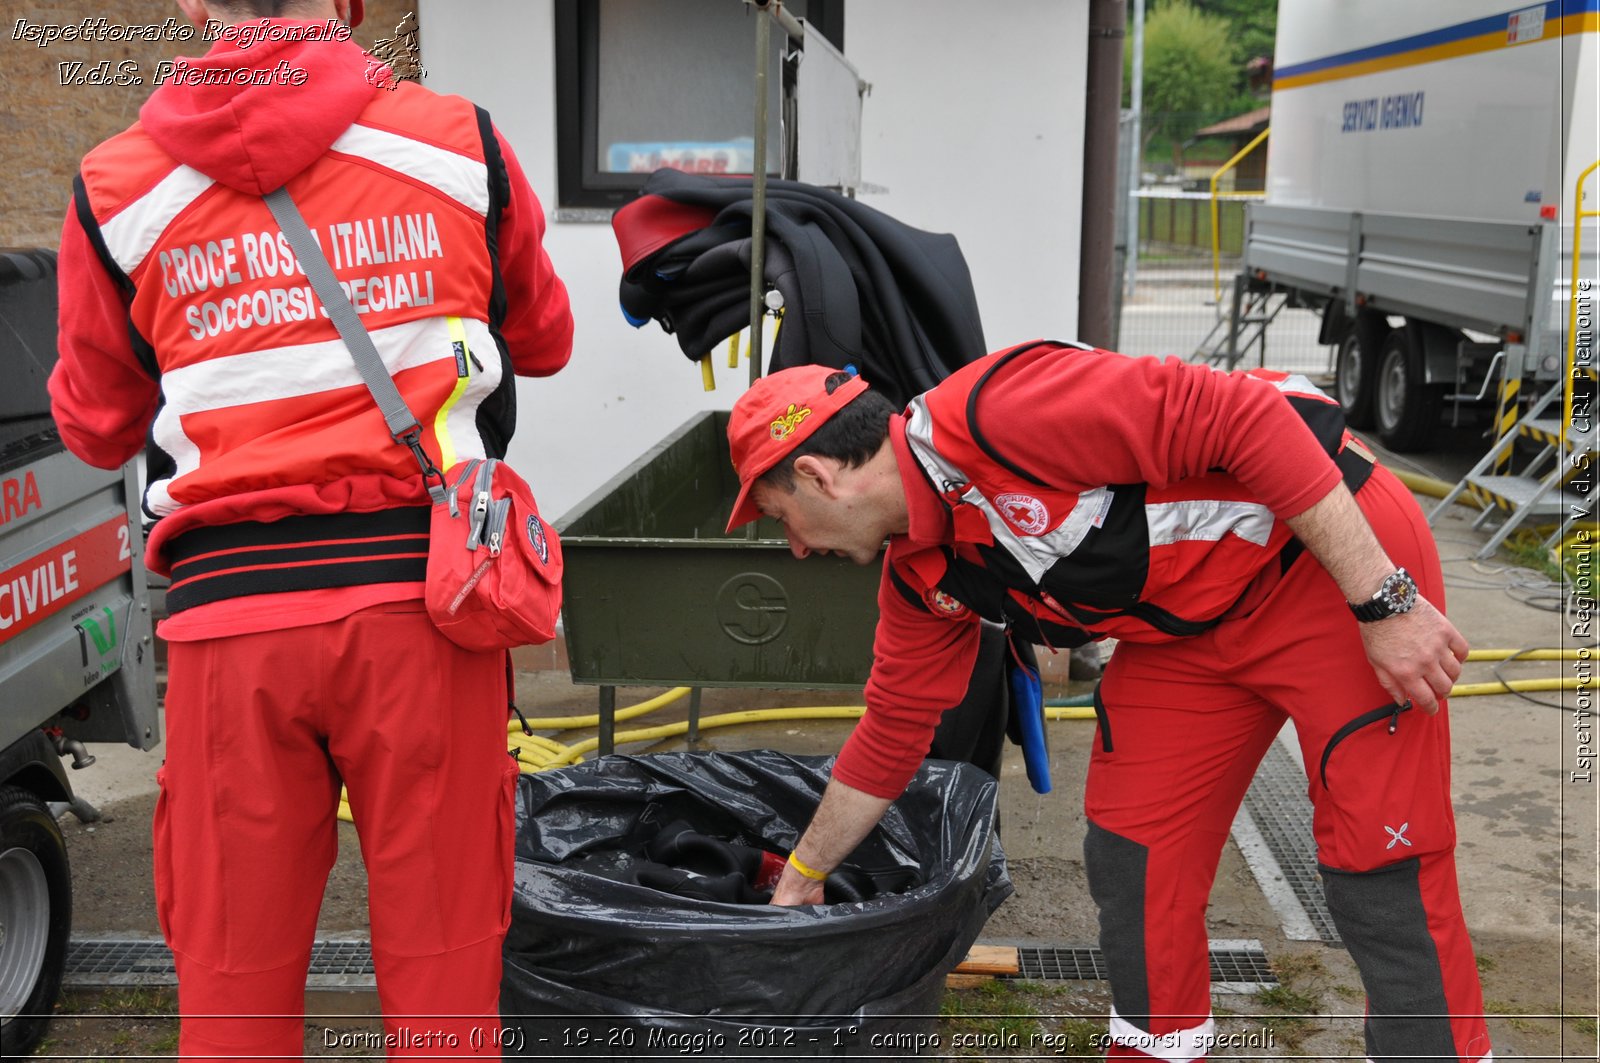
1189,722
261,730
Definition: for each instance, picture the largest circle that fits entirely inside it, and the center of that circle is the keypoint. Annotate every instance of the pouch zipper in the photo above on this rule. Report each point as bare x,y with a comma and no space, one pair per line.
1366,719
455,489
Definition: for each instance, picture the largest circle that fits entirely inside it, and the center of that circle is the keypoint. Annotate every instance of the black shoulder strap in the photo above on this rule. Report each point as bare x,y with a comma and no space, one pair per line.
499,197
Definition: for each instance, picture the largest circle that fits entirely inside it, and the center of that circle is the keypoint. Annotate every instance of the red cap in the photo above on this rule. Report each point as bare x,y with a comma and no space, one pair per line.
777,414
357,12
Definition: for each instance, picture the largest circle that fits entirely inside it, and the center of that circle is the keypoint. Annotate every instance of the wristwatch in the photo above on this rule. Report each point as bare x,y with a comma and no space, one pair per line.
1397,595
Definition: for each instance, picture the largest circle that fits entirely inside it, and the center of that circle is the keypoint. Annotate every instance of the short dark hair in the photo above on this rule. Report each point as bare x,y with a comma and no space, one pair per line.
852,435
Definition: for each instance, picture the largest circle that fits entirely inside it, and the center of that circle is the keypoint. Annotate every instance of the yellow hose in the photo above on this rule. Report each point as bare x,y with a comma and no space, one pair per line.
1530,655
536,752
726,719
572,723
540,753
1427,485
1069,712
1466,690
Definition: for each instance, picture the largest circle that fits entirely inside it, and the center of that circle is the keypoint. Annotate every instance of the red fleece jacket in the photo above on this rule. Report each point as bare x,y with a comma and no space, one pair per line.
254,138
1080,421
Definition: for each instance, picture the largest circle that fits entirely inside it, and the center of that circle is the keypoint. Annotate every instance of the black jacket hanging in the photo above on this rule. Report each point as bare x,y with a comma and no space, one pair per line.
859,288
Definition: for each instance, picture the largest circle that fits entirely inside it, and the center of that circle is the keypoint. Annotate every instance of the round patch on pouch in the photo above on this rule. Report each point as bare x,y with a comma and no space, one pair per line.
944,604
1024,512
537,540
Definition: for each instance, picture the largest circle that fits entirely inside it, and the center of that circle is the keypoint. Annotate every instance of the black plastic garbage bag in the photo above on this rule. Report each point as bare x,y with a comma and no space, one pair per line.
595,966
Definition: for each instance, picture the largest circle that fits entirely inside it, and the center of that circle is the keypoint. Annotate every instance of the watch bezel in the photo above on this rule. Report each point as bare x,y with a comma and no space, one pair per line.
1399,591
1397,594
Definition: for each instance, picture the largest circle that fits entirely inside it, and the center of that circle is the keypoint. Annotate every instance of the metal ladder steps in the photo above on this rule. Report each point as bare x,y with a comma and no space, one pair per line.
1547,430
1513,493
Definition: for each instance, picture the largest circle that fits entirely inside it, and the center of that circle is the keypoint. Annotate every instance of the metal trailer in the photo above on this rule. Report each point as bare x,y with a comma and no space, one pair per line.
1421,179
77,663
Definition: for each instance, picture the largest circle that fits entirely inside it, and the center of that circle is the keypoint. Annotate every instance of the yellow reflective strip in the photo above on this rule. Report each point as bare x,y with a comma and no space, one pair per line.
441,428
1584,22
1489,42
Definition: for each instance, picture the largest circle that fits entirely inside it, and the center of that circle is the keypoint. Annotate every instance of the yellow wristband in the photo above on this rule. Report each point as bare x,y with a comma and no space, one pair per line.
809,872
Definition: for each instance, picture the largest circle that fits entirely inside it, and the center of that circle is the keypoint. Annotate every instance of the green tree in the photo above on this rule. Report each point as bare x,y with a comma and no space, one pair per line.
1253,24
1191,70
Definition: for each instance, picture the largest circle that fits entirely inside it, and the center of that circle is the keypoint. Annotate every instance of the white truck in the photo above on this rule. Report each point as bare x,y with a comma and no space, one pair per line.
1421,182
77,662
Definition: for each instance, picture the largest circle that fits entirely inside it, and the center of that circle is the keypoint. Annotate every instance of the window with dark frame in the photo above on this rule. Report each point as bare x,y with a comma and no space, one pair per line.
642,84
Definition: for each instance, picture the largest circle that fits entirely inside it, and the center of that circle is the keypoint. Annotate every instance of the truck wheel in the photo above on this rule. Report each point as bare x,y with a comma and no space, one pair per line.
1355,374
35,917
1406,408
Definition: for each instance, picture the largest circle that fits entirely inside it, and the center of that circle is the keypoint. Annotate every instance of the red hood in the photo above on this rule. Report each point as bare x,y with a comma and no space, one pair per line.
254,137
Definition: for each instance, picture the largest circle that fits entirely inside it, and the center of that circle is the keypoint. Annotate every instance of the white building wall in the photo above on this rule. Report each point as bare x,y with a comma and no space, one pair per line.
974,126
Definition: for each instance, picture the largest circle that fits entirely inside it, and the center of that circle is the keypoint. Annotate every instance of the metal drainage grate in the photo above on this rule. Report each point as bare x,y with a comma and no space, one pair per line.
94,959
1278,804
148,961
1240,963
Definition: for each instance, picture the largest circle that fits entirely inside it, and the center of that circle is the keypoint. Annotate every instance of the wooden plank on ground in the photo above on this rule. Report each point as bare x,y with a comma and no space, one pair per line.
990,960
966,981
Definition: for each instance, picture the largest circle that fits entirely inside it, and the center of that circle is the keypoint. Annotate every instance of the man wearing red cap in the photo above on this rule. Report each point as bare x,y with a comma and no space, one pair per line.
1254,564
294,528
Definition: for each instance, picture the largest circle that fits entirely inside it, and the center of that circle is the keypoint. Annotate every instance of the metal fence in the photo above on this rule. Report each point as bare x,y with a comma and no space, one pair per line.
1177,295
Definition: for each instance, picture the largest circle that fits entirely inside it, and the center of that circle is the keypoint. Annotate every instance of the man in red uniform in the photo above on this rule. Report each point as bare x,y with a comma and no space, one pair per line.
1223,528
293,527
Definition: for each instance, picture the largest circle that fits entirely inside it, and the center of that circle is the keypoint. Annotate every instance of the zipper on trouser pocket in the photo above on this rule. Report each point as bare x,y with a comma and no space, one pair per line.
1103,718
1392,711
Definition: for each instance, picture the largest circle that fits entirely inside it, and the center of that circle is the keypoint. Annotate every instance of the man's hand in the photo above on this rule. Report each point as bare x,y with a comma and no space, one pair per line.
844,817
795,888
1417,655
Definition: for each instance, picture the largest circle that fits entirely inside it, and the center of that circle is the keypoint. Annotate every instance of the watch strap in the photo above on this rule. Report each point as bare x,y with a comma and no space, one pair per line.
1382,605
1374,608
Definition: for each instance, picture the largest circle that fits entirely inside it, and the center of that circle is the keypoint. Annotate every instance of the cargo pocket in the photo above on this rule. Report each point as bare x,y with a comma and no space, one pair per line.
1103,718
506,839
1390,712
161,837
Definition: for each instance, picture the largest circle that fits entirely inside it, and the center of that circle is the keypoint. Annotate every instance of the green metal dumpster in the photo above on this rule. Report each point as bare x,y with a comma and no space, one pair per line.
657,594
